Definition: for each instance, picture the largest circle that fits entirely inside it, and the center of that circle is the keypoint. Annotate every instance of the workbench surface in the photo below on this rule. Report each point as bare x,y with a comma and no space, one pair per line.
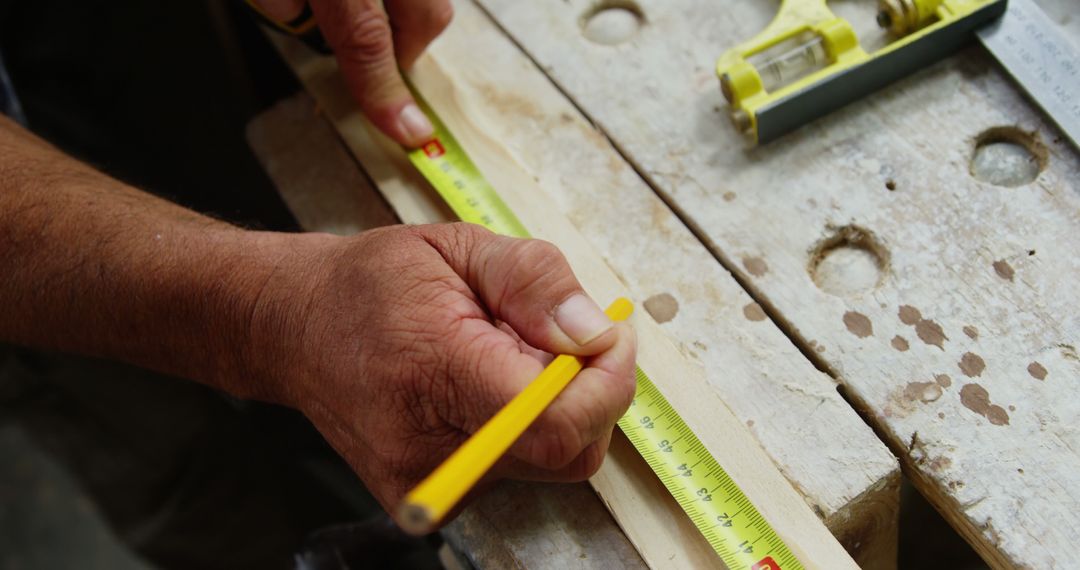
875,251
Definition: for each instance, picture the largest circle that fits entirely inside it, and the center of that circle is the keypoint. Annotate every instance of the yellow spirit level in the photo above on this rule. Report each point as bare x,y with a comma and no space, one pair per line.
808,62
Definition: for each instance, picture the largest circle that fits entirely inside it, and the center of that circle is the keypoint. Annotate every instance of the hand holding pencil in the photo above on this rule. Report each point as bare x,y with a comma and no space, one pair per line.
429,502
411,338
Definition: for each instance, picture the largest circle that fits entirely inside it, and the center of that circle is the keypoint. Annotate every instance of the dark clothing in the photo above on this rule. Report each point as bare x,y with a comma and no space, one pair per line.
158,94
9,102
184,476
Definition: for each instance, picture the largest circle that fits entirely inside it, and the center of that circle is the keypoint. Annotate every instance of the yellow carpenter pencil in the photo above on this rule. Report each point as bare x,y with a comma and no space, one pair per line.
433,498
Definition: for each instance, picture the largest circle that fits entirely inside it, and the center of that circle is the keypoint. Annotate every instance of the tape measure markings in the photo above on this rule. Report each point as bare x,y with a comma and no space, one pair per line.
715,504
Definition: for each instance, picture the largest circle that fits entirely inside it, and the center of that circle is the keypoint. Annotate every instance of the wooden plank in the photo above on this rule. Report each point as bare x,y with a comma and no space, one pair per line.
847,475
566,526
318,179
660,535
944,304
324,187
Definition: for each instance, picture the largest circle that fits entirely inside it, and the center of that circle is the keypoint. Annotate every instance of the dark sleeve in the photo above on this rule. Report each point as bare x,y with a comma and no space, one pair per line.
9,103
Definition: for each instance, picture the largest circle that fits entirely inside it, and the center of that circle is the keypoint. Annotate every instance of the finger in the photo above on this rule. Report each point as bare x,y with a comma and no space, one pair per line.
526,283
359,33
415,23
488,370
585,411
281,11
585,465
544,358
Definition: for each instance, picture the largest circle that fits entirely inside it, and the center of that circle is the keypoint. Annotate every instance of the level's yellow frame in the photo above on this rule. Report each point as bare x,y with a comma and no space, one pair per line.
842,47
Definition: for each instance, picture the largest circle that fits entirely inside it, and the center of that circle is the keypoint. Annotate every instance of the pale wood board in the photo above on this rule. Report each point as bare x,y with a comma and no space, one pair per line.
640,508
320,182
324,187
1011,489
846,474
528,525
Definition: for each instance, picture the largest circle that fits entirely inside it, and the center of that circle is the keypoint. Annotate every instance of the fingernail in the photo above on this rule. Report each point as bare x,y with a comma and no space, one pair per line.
415,124
581,319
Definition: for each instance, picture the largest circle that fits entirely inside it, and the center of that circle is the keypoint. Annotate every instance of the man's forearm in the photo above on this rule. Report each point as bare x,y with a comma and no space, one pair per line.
93,266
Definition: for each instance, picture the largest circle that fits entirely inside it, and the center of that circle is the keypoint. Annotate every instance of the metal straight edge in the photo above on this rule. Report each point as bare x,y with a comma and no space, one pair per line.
1036,52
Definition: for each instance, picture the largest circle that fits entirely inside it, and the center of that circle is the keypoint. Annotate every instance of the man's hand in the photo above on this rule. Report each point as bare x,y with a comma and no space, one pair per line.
399,343
371,44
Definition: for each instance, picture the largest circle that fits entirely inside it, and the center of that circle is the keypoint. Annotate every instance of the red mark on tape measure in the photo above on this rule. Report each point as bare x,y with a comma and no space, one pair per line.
434,149
766,563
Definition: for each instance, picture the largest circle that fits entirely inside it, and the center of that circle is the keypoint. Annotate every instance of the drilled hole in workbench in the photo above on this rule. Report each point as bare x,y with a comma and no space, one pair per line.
848,262
612,22
1008,156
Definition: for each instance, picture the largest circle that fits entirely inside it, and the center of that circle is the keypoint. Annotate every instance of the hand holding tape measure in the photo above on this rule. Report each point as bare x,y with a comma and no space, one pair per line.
369,53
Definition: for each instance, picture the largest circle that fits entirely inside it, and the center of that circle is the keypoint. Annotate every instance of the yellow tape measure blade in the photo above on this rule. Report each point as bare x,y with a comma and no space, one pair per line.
446,165
718,508
734,528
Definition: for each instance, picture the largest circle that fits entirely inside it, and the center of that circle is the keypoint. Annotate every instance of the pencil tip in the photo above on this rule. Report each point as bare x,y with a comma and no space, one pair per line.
414,519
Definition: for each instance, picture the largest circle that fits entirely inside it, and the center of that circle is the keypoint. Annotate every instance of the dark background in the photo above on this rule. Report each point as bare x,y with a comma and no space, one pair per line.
95,454
156,93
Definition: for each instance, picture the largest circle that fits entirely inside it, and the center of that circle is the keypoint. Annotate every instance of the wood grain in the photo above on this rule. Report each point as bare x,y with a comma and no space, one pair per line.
940,293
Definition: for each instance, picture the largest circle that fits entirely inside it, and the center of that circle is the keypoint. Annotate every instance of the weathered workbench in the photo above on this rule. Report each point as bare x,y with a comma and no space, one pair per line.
872,267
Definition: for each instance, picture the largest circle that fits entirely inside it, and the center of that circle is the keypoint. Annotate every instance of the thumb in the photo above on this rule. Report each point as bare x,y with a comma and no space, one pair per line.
529,285
359,33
